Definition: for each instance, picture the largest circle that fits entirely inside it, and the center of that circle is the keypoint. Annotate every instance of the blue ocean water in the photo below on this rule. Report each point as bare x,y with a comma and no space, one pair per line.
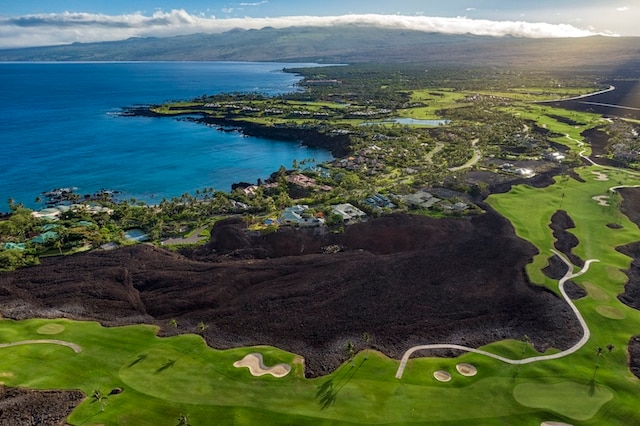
60,127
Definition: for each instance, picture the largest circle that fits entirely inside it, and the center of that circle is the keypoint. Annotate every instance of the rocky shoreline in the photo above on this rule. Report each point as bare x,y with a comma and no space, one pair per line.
339,144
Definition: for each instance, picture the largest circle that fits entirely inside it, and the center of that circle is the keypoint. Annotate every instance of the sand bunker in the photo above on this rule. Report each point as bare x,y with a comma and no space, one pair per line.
442,376
554,424
51,329
601,199
467,370
256,366
600,176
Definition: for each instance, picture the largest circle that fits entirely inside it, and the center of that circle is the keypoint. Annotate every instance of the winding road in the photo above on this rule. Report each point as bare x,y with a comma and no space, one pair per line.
585,336
477,155
429,157
193,238
575,98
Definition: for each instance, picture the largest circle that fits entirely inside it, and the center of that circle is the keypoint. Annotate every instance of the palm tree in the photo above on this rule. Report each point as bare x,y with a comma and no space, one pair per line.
58,245
202,327
183,420
351,349
63,233
599,354
100,398
527,341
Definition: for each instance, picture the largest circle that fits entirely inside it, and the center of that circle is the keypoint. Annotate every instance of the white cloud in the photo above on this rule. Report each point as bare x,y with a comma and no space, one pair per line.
63,28
622,9
254,4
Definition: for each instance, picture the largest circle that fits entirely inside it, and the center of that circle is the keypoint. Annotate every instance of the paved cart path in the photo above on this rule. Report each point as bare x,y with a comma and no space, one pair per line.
585,336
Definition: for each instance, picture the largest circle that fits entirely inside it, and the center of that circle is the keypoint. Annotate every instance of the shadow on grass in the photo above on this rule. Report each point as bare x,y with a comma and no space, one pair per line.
593,385
327,392
170,363
137,360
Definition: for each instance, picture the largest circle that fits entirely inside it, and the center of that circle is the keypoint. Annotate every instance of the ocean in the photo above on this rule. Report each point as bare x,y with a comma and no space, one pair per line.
60,127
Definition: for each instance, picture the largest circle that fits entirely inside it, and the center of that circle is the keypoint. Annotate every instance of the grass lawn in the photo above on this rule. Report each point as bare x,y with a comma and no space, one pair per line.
164,378
610,321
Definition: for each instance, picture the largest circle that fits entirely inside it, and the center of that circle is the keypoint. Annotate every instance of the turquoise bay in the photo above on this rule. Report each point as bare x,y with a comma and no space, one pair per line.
60,127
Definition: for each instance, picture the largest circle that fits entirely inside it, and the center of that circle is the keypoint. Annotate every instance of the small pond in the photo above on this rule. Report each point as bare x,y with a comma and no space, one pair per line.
414,121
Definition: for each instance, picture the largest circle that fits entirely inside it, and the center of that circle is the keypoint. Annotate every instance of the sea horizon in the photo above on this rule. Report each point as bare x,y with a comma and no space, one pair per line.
61,126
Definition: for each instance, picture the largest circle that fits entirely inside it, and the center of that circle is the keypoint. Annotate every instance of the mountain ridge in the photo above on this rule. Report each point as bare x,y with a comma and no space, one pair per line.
344,44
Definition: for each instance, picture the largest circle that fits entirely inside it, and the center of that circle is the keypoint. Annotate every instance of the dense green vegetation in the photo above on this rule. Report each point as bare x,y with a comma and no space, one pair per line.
491,120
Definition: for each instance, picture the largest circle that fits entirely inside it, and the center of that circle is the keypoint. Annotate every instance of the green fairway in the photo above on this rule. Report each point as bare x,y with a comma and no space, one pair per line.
164,378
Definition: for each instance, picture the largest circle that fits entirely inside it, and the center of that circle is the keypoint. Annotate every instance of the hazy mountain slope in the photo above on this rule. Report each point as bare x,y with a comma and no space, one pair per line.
346,44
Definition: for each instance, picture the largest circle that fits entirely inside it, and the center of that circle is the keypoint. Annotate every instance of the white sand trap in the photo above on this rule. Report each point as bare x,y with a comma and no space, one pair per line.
256,366
601,200
442,376
600,176
467,370
554,424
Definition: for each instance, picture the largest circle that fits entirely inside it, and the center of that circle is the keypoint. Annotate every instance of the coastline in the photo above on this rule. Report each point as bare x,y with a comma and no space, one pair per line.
338,144
74,135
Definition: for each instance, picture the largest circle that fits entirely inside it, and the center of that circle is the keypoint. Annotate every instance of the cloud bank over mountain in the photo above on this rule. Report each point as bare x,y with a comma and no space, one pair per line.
65,28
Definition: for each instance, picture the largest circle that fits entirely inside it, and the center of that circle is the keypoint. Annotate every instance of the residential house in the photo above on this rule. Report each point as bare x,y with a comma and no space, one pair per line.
299,215
304,181
379,201
349,213
421,200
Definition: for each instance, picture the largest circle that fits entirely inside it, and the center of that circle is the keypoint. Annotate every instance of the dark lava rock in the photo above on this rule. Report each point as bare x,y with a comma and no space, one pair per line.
631,207
404,280
631,295
555,268
38,408
565,241
540,180
575,176
228,235
598,139
574,291
614,226
634,355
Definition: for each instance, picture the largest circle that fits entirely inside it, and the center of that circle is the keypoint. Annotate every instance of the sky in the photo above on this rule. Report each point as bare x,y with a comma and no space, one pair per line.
26,23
